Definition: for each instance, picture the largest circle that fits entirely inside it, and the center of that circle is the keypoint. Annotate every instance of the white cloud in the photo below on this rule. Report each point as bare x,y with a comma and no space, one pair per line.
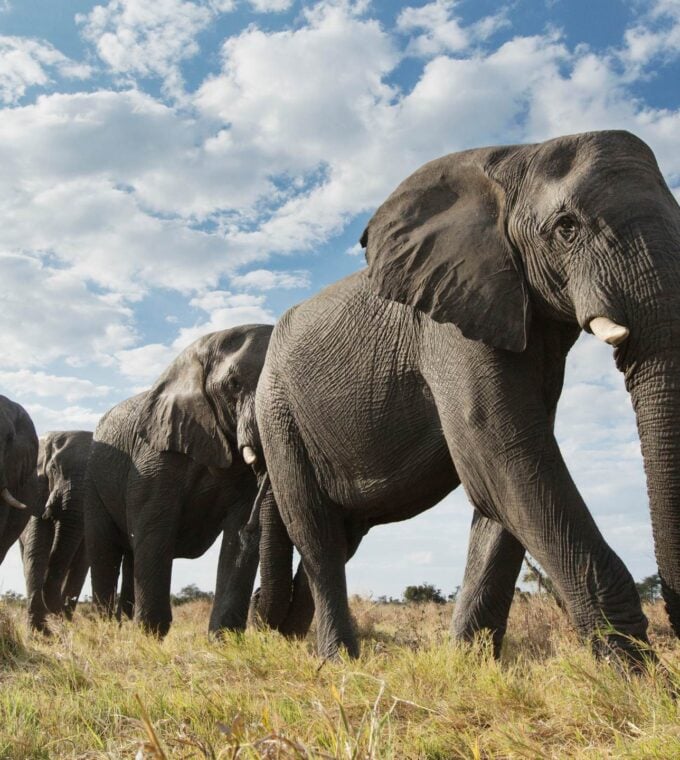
63,418
22,382
144,364
27,62
442,31
145,39
48,313
270,6
265,279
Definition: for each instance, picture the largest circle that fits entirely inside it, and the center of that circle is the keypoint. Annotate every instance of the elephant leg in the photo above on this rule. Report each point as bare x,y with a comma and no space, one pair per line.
301,609
316,527
236,572
493,563
126,597
502,444
301,612
103,546
36,544
152,553
68,539
75,580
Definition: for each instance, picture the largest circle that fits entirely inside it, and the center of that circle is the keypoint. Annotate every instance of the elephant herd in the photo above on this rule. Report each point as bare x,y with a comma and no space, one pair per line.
440,364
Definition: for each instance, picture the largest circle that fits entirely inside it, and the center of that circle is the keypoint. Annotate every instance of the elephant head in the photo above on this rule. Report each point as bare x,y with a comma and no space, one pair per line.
18,453
62,460
580,229
203,404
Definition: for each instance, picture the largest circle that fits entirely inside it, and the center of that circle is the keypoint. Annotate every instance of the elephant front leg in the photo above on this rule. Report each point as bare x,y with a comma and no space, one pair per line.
153,555
494,560
501,440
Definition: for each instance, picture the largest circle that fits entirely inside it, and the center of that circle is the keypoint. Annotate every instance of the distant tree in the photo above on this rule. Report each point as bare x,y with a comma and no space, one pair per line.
426,592
12,597
191,593
649,588
535,575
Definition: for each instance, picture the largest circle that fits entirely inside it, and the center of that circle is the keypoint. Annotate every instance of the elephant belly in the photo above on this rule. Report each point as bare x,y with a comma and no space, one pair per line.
201,520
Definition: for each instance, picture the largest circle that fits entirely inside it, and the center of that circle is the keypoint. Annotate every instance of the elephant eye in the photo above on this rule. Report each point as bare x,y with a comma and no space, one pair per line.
233,385
566,228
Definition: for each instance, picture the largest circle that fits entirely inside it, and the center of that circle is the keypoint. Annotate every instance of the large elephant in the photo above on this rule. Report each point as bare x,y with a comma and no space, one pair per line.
18,480
167,474
483,268
53,545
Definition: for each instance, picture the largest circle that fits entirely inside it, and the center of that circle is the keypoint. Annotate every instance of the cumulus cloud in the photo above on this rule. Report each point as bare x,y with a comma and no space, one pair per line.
48,313
28,63
149,39
47,418
224,309
265,279
441,31
270,6
44,385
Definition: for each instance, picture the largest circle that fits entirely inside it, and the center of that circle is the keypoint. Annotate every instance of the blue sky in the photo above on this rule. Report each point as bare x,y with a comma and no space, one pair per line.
181,166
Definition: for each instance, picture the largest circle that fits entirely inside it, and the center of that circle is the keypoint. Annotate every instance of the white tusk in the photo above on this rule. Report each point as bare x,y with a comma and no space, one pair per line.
608,331
10,500
249,455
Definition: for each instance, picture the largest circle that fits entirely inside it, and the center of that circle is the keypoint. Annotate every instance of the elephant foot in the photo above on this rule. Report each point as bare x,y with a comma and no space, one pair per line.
626,653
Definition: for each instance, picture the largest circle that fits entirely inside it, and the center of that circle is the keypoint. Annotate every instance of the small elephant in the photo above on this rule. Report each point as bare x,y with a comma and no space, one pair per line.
53,545
483,266
18,479
167,474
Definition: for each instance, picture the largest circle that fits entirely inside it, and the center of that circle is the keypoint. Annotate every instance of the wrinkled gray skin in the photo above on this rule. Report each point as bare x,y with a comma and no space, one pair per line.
500,256
165,477
18,456
53,545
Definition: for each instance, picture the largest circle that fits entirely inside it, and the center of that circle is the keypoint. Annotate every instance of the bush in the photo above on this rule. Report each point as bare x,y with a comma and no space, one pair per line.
191,593
426,592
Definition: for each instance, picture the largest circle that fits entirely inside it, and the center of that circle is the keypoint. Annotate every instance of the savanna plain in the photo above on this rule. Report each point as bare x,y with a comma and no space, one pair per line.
95,689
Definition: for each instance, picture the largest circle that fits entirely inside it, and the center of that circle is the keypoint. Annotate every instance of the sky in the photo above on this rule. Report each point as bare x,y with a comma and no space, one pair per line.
175,167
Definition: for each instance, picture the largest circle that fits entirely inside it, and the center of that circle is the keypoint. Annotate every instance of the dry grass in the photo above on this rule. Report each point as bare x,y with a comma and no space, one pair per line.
97,690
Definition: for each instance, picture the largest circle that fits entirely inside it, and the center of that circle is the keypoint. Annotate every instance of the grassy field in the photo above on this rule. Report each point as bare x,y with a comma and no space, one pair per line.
97,690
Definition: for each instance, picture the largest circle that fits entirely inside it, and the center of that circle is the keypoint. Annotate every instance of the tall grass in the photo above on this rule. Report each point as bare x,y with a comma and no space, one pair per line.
98,690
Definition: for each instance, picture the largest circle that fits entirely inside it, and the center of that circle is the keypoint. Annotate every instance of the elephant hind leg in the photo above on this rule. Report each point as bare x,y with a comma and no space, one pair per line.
316,527
105,552
493,563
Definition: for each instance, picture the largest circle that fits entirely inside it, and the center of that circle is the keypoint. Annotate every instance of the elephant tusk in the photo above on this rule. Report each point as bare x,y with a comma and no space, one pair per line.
608,331
249,455
10,500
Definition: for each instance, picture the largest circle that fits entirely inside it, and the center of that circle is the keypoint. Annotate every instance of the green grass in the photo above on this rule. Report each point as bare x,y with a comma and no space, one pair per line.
99,690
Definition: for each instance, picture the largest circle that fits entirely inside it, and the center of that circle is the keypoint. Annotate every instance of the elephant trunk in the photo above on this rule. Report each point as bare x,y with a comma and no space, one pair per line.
276,566
654,385
69,537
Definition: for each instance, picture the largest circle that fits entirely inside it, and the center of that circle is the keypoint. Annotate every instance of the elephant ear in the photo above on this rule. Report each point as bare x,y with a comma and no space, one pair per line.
177,414
438,243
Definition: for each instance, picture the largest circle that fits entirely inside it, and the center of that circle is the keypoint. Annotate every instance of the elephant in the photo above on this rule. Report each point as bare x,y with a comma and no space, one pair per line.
171,468
483,268
18,479
53,545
